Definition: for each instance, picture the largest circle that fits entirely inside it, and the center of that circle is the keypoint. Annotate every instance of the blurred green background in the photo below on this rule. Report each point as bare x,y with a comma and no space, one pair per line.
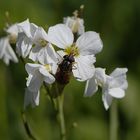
118,23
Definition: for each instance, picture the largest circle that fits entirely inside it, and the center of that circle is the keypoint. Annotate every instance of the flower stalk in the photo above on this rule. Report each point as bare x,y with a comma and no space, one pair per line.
60,101
114,122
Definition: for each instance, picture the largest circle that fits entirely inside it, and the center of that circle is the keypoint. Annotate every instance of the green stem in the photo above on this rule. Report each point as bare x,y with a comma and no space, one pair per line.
61,120
27,128
114,121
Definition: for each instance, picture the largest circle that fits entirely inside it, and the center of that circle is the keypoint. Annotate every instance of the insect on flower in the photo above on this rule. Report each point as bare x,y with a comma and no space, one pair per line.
65,69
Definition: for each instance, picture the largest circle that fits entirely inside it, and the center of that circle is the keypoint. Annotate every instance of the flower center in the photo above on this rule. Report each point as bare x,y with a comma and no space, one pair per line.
12,38
42,42
73,49
48,67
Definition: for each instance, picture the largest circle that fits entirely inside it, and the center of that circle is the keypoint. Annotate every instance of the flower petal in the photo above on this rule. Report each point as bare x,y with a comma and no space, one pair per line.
48,78
107,100
3,43
25,27
34,53
13,29
11,54
6,51
81,28
40,34
31,98
100,76
23,45
119,78
116,92
75,24
84,67
60,35
91,87
45,55
35,82
60,55
89,43
31,68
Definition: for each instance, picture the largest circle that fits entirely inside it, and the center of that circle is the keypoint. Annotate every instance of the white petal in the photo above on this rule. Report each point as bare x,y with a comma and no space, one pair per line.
48,78
34,53
11,54
100,76
23,45
31,68
84,68
60,55
91,87
28,28
107,100
54,67
13,29
25,27
75,24
116,92
68,21
81,28
3,43
6,51
35,82
118,72
31,98
89,43
33,29
40,34
47,55
119,78
29,79
60,35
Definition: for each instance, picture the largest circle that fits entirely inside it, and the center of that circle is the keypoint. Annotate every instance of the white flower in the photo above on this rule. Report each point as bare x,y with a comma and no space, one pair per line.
43,51
25,37
113,85
76,24
6,51
34,41
86,46
37,75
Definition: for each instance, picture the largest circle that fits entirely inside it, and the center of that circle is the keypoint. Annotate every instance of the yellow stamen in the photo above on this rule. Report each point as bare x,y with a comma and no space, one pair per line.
42,42
72,50
48,67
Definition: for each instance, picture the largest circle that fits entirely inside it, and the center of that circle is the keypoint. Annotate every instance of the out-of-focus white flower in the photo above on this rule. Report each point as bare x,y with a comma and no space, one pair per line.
37,75
13,31
113,85
76,24
25,37
86,46
6,51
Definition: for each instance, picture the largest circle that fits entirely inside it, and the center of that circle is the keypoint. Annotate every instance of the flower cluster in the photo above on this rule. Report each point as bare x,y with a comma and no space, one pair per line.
75,55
